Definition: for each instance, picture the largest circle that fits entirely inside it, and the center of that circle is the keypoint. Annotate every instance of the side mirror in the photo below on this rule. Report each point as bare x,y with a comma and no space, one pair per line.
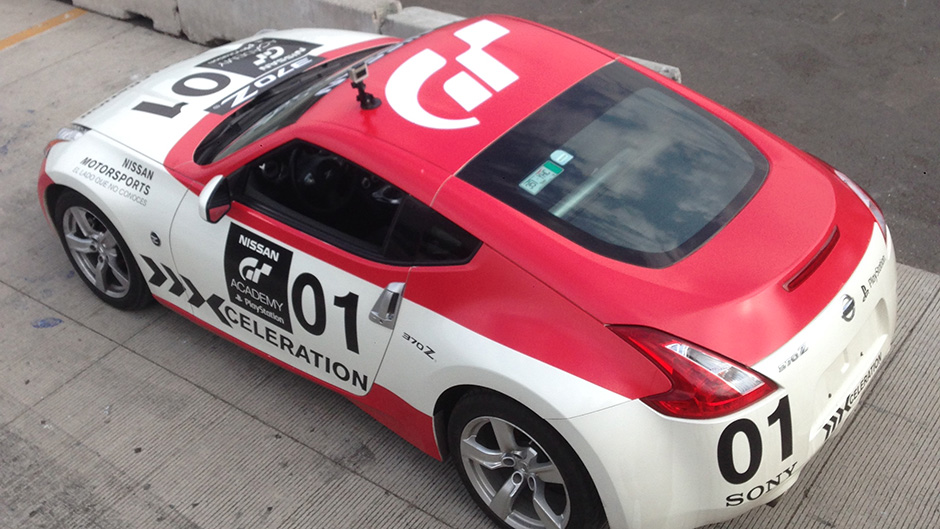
215,200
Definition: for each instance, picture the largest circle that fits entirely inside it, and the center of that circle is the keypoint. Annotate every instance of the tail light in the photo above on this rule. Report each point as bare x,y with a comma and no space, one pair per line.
705,385
867,200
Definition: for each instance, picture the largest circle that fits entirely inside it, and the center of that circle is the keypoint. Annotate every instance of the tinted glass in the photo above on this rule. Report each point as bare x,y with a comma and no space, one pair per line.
331,198
624,168
424,237
280,105
323,194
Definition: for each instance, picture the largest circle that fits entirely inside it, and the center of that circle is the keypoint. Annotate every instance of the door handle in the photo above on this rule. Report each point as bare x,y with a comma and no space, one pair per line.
386,307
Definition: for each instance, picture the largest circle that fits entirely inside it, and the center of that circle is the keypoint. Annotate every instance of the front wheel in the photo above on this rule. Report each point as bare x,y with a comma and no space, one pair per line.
518,468
99,254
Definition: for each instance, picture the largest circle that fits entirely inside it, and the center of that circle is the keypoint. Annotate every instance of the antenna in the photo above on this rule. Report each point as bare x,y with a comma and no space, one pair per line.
358,74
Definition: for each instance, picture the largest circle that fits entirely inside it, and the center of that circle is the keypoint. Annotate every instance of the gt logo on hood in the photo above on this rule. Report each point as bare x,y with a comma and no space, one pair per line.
406,81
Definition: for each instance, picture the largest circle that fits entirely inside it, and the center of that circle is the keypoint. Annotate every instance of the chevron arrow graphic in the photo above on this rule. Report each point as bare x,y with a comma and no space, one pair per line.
158,277
178,288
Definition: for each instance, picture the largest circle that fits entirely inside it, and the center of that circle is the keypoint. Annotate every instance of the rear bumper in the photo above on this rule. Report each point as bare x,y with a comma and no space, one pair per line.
828,366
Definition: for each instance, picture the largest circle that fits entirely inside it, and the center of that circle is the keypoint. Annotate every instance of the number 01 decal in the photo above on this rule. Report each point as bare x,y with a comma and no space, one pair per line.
755,445
349,303
185,87
202,84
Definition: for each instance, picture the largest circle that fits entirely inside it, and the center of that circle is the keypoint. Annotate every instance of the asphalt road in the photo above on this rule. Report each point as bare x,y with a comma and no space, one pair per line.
854,82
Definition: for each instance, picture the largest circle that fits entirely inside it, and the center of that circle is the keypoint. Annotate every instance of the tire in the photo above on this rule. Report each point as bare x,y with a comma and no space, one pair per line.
519,470
99,254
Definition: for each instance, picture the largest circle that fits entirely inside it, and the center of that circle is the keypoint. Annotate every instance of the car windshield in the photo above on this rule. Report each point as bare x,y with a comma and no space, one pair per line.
277,107
622,166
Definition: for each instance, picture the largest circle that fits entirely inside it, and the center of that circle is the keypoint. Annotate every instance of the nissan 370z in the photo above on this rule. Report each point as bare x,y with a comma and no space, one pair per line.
604,297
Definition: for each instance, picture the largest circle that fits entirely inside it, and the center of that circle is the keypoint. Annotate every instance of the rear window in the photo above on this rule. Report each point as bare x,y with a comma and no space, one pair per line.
623,167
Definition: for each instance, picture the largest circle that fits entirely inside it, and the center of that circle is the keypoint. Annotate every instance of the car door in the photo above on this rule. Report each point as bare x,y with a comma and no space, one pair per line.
300,267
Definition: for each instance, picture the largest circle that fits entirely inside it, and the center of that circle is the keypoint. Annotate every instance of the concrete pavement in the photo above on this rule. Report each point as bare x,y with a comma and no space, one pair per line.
144,420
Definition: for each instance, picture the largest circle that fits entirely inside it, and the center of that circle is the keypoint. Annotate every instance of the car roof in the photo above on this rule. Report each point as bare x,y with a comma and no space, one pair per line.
448,94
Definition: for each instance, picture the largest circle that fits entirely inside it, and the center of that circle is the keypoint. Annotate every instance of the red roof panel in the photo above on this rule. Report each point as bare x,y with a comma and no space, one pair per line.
450,93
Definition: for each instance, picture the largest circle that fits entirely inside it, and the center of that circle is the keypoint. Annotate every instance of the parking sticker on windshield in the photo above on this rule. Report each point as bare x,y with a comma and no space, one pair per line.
541,177
561,157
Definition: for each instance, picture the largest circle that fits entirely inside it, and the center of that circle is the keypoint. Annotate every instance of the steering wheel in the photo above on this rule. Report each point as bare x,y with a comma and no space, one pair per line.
271,172
322,181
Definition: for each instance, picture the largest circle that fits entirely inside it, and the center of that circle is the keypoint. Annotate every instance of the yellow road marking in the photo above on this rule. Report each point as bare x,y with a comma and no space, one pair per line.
39,28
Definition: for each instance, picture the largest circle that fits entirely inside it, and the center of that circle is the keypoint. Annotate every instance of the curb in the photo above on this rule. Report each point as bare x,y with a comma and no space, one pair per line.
213,21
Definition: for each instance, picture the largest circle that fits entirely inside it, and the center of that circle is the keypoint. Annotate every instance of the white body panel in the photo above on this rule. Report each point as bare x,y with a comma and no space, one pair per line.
429,354
278,299
151,116
140,197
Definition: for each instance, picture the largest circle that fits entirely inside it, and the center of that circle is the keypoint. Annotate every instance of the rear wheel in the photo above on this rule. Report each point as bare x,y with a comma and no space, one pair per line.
518,468
99,254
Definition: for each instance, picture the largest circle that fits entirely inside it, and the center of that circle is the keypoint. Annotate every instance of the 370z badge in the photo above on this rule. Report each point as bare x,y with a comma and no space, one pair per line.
256,271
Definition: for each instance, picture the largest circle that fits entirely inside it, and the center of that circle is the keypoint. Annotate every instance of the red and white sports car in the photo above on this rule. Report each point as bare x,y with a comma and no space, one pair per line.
607,298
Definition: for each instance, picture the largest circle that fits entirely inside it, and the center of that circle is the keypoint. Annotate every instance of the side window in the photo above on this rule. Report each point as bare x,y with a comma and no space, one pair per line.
429,238
333,199
323,194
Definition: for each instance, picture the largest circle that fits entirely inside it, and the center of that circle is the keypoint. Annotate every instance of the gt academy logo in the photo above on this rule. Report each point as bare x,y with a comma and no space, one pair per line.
251,270
260,56
405,82
256,271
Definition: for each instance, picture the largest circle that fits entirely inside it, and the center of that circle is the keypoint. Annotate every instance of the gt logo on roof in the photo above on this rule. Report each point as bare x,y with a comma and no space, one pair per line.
406,81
